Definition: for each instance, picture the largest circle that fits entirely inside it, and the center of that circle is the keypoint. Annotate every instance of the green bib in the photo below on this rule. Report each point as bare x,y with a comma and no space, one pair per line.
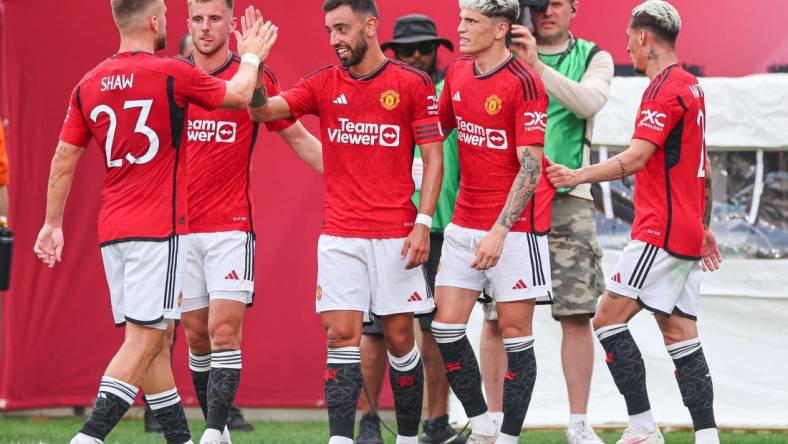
565,135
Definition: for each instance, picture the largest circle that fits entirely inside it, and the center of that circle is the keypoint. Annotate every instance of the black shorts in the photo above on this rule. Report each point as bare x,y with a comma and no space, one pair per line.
431,267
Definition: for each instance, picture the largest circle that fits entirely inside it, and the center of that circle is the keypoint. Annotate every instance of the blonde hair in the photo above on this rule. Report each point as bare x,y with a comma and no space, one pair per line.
228,3
507,9
659,17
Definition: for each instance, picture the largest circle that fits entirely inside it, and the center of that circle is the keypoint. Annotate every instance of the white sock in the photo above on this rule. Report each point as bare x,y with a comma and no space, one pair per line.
482,424
503,438
707,436
339,440
210,435
497,418
407,439
577,418
643,422
82,438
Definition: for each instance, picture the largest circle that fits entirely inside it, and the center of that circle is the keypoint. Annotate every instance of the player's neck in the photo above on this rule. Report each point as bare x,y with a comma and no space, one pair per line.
371,61
129,44
210,62
658,61
491,58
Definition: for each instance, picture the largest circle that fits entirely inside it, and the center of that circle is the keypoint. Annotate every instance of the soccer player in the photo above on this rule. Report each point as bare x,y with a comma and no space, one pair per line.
134,104
416,43
220,264
660,269
372,111
497,240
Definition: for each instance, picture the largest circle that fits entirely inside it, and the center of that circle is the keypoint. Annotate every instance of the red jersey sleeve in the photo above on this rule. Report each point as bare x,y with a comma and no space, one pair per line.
193,85
654,118
302,98
445,104
75,129
531,117
273,88
424,110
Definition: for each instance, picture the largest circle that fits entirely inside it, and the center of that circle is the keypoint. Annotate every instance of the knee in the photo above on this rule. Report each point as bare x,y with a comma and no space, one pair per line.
675,334
339,336
400,343
514,330
225,336
198,339
601,320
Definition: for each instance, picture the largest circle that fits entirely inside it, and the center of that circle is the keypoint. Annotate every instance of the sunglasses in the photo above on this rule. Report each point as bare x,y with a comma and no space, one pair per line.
425,48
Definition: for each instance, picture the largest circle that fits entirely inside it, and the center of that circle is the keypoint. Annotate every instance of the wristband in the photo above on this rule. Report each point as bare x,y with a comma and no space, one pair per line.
423,219
251,58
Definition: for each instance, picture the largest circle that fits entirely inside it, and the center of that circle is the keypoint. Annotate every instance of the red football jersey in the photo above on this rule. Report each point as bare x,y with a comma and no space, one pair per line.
495,113
670,193
219,152
134,104
369,126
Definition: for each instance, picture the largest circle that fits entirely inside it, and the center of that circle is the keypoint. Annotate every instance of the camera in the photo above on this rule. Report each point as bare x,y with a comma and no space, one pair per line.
536,5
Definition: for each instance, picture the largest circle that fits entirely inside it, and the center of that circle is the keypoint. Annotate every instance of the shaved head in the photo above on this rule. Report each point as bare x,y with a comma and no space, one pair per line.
130,13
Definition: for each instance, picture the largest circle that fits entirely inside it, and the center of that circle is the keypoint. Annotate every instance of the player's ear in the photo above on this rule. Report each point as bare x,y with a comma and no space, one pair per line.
233,24
371,27
153,23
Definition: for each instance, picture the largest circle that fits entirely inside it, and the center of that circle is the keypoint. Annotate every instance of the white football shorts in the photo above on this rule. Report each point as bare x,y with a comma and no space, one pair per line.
219,266
145,280
522,272
368,275
661,283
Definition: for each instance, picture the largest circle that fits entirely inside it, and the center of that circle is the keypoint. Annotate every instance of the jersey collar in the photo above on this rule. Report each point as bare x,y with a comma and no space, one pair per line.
493,71
376,72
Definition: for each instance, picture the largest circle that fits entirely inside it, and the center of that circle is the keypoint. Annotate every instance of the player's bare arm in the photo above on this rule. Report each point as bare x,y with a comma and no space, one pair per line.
49,244
491,246
622,165
712,257
254,44
417,245
304,144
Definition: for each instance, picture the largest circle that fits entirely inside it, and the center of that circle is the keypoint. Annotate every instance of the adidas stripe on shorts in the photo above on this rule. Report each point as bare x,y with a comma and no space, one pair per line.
368,275
145,280
661,283
219,262
522,272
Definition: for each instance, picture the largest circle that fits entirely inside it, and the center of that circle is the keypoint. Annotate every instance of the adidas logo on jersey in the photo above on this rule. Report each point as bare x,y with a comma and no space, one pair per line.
341,100
415,297
520,285
233,276
617,278
456,97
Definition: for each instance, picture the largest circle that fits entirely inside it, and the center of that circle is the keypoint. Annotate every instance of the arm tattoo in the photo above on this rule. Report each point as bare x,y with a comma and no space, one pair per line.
709,200
522,189
259,97
621,166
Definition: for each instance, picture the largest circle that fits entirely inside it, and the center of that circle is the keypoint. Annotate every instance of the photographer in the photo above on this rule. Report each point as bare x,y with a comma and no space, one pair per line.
577,76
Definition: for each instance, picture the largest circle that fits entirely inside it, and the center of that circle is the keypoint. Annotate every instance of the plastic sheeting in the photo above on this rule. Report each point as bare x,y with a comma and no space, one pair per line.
743,112
744,336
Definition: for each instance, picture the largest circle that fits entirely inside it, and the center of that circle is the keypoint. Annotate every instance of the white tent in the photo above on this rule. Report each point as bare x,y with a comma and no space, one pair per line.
743,317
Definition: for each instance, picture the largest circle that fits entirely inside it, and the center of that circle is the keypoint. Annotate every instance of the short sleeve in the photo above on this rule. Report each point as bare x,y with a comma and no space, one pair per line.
204,90
302,98
424,110
75,129
273,89
445,105
531,118
654,120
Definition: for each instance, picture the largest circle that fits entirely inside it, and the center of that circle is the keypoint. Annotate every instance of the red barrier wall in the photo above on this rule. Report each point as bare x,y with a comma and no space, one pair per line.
57,333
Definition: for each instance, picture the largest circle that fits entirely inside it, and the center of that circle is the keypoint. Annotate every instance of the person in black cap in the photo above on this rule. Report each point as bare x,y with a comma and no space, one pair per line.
416,43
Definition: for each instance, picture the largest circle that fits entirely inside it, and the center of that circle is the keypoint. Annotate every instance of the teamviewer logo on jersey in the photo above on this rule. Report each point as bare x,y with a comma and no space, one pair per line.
496,139
365,134
389,135
211,131
652,119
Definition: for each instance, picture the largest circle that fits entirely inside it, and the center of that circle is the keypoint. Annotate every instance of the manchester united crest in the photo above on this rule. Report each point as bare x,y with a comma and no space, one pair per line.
493,105
319,292
389,99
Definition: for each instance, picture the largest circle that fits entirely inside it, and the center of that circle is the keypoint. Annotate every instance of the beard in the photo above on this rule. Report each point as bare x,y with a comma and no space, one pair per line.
161,42
356,54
